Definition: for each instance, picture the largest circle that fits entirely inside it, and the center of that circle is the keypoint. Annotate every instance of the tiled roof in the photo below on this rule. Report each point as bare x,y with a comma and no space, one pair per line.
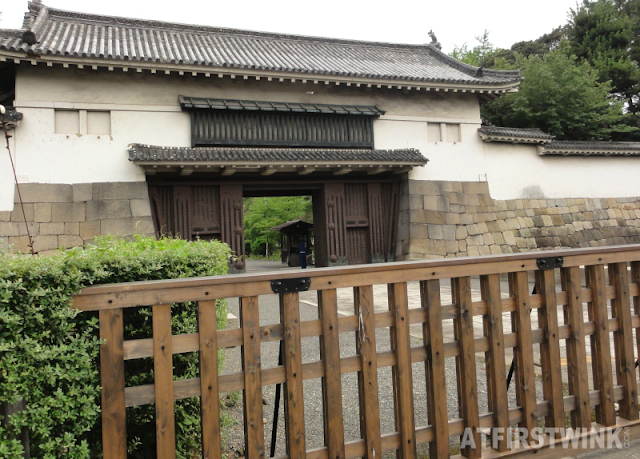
235,156
251,105
513,135
118,41
570,148
297,222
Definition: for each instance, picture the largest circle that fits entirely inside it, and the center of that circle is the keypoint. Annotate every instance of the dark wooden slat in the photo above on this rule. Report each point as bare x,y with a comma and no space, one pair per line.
601,347
550,348
332,380
210,402
402,371
466,366
163,382
635,279
576,352
623,341
525,378
435,368
114,424
368,377
294,397
496,371
251,366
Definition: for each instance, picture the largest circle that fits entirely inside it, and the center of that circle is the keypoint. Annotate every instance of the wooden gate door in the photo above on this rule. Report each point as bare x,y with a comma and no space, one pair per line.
200,212
356,223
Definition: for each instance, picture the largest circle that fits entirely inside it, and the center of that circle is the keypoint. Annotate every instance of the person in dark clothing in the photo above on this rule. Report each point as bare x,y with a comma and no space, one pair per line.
302,252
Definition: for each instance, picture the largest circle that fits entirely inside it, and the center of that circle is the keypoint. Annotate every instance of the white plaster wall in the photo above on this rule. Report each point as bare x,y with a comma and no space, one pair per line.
43,156
38,85
6,174
517,171
144,109
453,161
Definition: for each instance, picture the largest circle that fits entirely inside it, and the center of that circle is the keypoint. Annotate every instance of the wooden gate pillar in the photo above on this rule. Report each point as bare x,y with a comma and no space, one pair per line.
233,220
335,237
376,223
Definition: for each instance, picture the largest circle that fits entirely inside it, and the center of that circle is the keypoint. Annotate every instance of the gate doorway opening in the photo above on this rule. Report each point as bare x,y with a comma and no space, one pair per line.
275,226
354,220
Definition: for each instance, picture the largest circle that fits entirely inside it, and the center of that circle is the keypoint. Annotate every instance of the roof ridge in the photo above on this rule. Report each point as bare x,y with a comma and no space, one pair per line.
130,41
182,27
467,68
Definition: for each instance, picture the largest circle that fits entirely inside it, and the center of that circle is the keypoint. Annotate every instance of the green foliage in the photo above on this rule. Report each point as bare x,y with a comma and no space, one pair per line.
478,54
48,351
561,97
606,34
262,214
503,59
602,34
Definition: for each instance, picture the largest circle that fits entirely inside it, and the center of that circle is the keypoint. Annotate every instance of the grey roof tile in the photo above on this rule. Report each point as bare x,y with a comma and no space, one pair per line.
509,132
78,35
190,103
151,153
571,148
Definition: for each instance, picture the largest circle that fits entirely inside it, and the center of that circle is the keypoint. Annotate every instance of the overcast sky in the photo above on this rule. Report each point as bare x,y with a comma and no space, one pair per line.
455,22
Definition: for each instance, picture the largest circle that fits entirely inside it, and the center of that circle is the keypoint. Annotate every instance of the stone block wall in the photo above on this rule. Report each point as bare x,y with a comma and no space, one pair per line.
449,219
61,215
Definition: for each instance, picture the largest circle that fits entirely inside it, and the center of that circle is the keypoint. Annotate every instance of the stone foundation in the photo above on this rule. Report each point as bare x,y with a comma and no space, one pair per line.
61,215
450,219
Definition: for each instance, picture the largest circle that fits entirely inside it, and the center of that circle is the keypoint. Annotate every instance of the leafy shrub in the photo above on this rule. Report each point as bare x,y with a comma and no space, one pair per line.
48,351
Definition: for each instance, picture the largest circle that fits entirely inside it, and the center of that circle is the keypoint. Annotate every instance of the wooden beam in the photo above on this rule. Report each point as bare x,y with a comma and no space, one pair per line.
227,171
377,170
306,170
185,171
269,170
341,171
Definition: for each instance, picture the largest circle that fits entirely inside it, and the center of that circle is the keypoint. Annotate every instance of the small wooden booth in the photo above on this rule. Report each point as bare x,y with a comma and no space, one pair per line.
291,233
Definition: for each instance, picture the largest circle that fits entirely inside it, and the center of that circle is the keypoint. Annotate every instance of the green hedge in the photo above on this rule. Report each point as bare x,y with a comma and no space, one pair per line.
48,351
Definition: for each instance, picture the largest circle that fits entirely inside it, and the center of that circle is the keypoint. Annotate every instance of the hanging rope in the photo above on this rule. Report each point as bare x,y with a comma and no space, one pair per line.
15,177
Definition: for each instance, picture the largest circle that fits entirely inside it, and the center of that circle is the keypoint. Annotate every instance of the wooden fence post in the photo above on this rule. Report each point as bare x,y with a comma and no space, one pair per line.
368,377
576,350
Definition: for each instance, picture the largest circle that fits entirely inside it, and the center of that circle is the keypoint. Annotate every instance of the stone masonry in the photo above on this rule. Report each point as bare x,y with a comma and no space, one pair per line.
450,219
61,215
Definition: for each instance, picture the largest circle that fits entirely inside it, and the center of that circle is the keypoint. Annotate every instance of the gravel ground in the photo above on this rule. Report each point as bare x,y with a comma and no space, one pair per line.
269,313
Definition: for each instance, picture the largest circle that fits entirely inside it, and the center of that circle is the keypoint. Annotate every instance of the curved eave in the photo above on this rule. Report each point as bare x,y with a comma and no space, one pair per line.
254,74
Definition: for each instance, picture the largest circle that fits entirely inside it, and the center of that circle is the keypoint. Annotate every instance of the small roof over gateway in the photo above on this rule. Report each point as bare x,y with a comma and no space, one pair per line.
297,224
268,161
67,37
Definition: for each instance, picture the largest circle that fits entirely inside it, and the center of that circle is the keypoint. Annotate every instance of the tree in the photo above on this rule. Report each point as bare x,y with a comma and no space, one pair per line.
477,55
262,214
602,33
561,96
501,58
605,33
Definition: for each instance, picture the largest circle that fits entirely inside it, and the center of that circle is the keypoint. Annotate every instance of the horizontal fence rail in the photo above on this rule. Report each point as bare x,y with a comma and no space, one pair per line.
567,319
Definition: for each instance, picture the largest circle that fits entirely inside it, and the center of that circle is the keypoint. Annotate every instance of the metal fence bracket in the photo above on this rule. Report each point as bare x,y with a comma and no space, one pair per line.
549,263
299,284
